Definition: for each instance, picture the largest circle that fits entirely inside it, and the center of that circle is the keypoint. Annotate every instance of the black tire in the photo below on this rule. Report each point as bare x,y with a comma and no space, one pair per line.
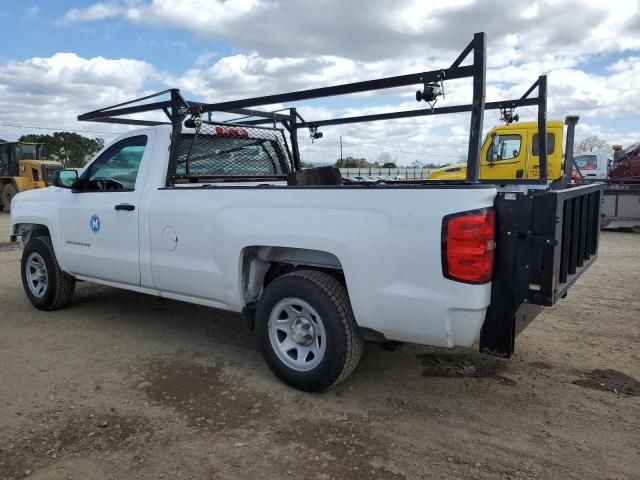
8,192
60,286
344,343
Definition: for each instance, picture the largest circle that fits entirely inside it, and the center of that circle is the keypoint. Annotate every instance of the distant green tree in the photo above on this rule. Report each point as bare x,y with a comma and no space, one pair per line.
71,149
390,165
351,162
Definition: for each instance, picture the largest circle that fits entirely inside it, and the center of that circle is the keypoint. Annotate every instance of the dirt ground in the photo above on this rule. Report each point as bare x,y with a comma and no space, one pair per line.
121,385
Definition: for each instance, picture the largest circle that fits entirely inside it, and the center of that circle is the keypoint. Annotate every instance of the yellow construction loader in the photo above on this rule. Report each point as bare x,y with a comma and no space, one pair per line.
23,167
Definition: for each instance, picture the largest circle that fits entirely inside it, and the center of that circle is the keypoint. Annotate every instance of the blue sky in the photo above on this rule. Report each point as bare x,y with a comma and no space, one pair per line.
65,57
167,48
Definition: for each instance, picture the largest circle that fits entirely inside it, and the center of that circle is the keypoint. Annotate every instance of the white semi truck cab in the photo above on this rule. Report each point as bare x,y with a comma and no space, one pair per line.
221,214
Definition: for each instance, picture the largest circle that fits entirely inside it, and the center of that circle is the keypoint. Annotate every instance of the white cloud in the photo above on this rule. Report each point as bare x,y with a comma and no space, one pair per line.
612,137
97,11
251,74
52,91
199,15
383,29
282,46
32,11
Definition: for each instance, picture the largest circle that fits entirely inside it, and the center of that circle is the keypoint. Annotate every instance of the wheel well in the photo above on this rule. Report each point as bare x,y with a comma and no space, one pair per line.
9,181
3,183
27,231
263,264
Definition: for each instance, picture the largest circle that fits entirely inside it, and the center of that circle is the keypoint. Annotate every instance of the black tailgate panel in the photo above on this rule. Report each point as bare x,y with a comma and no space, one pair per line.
545,240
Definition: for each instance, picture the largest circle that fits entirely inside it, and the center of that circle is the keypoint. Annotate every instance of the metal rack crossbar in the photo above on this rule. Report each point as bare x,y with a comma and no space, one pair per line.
177,108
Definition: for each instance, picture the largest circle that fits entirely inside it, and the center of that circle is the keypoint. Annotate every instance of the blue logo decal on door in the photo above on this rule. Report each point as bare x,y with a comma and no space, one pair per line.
94,223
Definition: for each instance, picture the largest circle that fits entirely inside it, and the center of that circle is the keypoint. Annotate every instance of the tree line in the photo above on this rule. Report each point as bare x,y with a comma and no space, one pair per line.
591,143
384,160
71,149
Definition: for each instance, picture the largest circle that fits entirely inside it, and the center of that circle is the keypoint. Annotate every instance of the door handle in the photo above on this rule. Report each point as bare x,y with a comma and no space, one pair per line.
125,206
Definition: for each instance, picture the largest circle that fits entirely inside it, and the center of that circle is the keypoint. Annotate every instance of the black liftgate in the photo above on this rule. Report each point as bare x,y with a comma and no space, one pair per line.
547,235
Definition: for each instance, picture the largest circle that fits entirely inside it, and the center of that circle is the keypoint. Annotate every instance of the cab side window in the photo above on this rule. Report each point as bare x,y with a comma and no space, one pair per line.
117,168
535,147
508,148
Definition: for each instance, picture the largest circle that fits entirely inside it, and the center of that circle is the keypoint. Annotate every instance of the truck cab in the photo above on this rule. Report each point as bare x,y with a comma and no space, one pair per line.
590,166
511,151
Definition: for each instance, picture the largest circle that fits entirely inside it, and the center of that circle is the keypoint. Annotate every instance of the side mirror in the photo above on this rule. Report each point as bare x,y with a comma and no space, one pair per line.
65,178
495,144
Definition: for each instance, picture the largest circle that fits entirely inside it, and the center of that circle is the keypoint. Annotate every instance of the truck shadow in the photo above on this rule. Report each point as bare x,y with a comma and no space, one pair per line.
463,365
196,334
167,318
610,381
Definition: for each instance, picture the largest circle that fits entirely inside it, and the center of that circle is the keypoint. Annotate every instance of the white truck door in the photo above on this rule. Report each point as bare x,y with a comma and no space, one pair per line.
99,224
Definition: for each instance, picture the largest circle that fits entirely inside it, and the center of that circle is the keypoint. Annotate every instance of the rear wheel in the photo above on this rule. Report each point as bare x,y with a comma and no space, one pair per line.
8,192
307,331
46,285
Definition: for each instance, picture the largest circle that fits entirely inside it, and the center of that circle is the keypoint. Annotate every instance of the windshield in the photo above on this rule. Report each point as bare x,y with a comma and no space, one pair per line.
28,151
586,162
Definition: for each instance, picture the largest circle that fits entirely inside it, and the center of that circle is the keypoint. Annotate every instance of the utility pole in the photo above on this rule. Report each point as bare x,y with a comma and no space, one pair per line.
341,148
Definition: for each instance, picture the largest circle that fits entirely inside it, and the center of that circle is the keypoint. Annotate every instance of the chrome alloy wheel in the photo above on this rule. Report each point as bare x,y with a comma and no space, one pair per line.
36,273
297,334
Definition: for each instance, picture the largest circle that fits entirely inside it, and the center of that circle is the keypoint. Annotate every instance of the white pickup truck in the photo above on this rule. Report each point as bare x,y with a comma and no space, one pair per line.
202,212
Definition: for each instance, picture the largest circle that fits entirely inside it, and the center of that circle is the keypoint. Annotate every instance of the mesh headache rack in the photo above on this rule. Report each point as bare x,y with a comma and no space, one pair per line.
199,151
220,151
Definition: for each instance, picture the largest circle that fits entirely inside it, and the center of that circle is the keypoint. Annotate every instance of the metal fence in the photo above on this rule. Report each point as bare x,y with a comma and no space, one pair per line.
405,173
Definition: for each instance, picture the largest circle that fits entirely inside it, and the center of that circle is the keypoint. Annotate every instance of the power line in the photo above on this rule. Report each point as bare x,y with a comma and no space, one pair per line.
399,151
417,154
32,127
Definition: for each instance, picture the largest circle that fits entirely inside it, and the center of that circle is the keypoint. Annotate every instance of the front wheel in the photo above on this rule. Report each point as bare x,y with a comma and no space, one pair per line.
306,330
46,285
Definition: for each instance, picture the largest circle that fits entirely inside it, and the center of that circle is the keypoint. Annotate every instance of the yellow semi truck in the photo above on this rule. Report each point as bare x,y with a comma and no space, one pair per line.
511,151
23,167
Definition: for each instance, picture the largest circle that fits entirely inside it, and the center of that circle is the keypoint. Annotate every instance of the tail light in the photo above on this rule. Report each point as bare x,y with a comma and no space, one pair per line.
468,243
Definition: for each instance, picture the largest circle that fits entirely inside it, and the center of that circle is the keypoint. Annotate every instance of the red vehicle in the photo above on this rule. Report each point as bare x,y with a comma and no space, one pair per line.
627,163
621,201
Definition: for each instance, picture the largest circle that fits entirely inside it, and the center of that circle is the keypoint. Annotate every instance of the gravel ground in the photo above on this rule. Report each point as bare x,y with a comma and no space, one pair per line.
121,385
